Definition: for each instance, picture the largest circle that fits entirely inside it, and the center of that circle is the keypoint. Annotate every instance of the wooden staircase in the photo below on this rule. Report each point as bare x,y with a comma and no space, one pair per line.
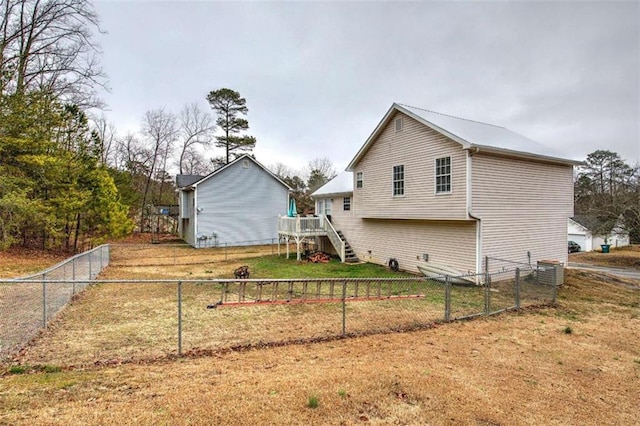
349,254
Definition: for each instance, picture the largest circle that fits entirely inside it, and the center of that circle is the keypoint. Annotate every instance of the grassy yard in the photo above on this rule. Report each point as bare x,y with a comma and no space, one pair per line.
577,363
623,257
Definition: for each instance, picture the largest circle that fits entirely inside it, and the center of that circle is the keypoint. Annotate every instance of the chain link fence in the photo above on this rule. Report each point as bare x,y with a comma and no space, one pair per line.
118,321
27,304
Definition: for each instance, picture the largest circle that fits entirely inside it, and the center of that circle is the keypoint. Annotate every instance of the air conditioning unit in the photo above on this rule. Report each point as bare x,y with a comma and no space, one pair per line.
551,272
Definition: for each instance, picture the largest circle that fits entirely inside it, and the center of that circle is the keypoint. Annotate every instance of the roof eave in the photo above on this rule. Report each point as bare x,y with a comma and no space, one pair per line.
331,194
395,107
215,172
524,155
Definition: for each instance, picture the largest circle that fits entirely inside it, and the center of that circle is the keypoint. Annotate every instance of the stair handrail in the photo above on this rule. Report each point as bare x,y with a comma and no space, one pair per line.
335,239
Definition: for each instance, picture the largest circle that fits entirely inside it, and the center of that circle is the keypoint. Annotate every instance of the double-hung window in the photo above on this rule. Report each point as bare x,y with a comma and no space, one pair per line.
443,175
359,179
323,207
346,203
398,181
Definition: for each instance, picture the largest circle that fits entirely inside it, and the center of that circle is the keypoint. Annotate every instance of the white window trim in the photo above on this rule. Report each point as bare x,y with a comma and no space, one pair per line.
343,204
435,176
361,180
393,194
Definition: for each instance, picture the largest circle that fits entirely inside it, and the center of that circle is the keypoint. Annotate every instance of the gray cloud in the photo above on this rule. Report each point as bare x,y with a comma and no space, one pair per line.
319,76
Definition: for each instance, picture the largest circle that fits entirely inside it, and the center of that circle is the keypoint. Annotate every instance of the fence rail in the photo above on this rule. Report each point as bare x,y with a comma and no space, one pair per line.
29,303
142,319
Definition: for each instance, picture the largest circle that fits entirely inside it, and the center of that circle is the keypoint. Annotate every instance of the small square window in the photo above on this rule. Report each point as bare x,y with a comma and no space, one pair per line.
346,203
398,180
359,180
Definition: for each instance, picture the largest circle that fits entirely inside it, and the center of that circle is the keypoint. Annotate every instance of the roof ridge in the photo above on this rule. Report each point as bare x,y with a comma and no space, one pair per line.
452,116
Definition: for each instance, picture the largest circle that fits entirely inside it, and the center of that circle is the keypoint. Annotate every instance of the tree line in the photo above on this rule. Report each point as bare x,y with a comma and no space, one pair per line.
69,181
607,194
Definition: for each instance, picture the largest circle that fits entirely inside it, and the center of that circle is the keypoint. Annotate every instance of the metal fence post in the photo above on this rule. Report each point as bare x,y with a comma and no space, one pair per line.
447,298
225,250
89,256
44,300
517,288
555,286
179,318
487,293
344,308
73,274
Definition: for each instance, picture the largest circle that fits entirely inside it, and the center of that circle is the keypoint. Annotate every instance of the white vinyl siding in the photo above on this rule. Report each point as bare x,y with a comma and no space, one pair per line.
443,175
417,148
523,206
184,204
227,203
398,181
449,243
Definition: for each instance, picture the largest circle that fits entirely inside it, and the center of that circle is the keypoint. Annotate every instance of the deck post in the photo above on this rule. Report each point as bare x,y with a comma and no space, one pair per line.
287,239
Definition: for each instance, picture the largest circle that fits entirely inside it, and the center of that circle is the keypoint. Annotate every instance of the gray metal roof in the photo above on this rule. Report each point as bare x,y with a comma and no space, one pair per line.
470,134
187,180
341,184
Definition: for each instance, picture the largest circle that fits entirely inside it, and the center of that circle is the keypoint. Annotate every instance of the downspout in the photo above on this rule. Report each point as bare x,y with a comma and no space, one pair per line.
470,214
194,234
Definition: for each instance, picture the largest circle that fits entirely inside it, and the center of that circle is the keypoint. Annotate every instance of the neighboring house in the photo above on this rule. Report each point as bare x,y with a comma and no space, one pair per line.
431,186
580,234
579,229
238,204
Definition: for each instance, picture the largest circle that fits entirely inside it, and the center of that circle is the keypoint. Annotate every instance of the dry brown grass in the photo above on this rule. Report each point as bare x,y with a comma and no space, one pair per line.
17,262
578,363
624,257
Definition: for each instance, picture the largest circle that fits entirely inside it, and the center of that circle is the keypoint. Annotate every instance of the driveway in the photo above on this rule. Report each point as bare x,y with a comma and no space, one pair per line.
632,274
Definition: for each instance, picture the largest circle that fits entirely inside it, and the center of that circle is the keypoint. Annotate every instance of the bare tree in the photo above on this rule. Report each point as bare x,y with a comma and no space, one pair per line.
194,163
196,128
282,170
319,171
48,45
132,156
160,129
106,131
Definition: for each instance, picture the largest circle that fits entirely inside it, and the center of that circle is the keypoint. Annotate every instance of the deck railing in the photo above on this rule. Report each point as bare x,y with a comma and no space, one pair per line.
301,225
310,227
335,239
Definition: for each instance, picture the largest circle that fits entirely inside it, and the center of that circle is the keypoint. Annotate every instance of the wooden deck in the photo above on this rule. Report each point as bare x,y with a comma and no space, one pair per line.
300,228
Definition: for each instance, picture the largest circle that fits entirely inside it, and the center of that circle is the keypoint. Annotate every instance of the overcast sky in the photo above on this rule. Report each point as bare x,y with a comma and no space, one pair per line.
319,76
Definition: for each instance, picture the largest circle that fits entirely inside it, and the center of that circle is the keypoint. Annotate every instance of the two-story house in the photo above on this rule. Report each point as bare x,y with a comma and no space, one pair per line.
431,187
237,204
